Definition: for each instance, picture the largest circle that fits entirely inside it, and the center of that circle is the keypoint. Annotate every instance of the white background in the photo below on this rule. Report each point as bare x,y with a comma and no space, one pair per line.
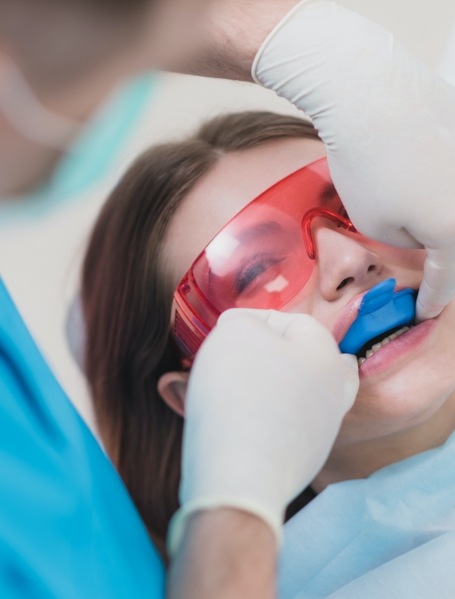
40,260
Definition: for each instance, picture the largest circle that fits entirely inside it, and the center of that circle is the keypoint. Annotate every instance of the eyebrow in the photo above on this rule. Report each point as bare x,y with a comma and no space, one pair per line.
260,230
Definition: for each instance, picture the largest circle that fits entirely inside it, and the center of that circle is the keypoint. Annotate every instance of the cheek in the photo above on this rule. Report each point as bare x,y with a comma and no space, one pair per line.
307,300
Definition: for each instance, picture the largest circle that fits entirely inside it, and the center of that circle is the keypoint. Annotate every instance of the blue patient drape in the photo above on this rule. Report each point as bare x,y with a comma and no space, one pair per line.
68,528
391,535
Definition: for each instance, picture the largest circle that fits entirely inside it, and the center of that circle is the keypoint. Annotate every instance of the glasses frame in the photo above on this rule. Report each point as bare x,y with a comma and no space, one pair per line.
194,316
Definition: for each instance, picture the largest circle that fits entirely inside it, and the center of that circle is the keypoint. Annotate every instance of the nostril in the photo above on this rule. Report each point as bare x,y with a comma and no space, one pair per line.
345,282
371,268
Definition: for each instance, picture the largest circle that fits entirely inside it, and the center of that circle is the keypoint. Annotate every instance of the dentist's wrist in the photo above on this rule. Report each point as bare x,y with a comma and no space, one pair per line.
225,553
255,509
232,33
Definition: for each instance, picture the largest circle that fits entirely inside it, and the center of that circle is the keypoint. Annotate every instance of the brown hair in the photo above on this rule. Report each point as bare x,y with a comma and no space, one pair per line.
127,305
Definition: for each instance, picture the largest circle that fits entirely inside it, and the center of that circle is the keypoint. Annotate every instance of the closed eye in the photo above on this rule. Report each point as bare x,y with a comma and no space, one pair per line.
255,268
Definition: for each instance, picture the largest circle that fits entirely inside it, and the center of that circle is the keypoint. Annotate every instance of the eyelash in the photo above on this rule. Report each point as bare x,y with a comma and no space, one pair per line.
247,274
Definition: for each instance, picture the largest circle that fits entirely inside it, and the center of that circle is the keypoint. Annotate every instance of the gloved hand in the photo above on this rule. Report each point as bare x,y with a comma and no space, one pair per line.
388,124
266,397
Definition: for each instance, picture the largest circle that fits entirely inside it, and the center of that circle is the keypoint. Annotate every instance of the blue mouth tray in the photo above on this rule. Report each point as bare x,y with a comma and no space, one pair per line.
381,310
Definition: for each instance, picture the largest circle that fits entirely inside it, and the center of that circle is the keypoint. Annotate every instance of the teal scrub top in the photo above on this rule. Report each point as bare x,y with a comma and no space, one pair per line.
68,528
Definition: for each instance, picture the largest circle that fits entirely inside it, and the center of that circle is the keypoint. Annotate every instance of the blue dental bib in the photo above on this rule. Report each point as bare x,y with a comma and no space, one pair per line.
382,309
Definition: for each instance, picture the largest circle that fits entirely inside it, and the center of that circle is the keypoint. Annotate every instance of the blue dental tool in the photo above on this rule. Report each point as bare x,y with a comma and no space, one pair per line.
382,309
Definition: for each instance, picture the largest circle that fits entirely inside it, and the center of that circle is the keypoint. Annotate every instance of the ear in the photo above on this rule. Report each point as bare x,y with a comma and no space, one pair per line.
172,388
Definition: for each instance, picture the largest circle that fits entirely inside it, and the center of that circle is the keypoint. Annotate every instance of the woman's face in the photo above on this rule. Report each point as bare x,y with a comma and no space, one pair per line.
398,389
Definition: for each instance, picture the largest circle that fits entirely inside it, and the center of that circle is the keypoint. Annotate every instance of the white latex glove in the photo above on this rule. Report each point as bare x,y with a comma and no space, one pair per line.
266,397
388,124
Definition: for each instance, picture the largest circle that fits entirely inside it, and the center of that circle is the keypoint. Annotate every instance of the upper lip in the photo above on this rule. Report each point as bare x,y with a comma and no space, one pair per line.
349,313
347,316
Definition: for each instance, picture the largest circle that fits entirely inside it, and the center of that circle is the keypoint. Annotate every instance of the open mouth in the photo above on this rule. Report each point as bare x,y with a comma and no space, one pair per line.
374,345
383,315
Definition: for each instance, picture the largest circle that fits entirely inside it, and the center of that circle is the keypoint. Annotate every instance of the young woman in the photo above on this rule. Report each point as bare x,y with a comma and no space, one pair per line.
171,203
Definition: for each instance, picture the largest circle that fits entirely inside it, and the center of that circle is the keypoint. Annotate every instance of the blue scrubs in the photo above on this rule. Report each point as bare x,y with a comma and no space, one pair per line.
68,528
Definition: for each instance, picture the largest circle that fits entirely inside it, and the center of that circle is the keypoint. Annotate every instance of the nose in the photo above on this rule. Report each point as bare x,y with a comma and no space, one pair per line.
344,264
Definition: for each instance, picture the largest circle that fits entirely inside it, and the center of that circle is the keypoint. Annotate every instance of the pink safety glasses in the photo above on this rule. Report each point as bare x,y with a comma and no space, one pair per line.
261,258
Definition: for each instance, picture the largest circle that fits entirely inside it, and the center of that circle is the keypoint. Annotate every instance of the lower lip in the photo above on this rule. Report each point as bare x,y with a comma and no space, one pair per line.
398,349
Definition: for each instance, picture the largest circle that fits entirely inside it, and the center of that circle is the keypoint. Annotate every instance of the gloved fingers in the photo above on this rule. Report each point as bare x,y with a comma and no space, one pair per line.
374,226
234,313
293,326
438,285
311,335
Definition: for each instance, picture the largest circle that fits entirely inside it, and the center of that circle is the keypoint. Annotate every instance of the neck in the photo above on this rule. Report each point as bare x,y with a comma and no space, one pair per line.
360,459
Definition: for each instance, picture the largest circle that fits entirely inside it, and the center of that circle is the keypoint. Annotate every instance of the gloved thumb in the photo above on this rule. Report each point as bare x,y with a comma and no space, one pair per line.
438,285
352,380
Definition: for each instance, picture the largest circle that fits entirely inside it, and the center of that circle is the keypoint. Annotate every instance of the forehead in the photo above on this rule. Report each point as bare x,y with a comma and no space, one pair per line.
234,182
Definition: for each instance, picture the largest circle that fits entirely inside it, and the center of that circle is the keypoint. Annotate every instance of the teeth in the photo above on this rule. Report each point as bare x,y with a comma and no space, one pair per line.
377,346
